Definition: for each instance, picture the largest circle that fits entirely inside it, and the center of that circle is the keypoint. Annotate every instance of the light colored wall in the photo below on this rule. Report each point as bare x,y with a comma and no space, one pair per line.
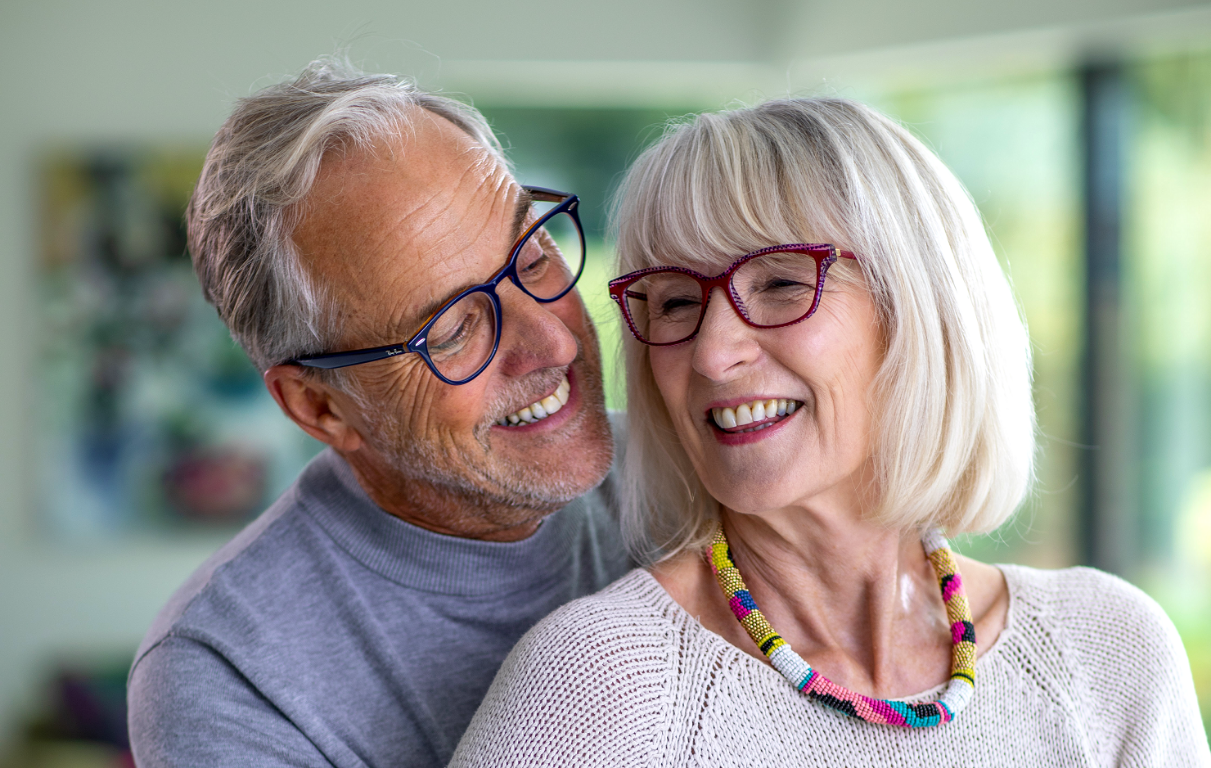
128,70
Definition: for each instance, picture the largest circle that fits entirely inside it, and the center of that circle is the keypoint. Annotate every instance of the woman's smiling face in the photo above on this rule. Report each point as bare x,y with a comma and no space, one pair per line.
815,376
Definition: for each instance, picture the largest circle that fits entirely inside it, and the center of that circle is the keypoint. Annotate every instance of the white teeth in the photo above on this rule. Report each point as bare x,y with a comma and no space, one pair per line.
752,413
542,409
743,415
725,417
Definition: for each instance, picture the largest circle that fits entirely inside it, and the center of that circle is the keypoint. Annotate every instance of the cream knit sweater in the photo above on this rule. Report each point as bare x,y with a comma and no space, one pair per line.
1087,672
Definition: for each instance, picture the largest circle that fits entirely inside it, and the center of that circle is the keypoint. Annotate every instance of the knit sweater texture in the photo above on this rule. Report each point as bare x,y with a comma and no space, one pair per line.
330,633
1088,671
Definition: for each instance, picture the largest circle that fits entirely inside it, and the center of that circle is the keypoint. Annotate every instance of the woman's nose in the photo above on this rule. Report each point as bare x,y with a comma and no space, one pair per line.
724,341
532,336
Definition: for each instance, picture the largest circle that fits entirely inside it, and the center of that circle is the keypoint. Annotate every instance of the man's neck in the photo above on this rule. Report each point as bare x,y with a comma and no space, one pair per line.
448,511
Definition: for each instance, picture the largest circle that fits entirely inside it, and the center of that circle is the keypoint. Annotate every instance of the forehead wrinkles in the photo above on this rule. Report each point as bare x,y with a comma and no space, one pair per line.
452,246
405,238
445,223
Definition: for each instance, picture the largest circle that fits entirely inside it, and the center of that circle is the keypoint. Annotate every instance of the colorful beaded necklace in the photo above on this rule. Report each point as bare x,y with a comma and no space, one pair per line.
816,686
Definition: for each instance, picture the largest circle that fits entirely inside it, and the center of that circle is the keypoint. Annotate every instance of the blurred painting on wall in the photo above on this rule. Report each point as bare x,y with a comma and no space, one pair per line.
150,418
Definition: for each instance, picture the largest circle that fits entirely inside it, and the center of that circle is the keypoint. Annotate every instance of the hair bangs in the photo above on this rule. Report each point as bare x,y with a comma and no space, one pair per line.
712,192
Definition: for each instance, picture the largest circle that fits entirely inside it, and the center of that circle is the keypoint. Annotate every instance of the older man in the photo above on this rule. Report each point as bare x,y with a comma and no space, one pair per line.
413,307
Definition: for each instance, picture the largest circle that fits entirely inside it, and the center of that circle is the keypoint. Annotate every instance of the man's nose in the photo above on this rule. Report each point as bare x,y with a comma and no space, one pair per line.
532,336
724,340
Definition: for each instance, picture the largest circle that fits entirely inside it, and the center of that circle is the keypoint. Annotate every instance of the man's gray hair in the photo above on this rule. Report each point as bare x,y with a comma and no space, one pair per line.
260,167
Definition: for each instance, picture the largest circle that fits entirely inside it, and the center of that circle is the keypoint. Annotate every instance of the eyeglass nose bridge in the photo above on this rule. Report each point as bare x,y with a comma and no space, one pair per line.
723,283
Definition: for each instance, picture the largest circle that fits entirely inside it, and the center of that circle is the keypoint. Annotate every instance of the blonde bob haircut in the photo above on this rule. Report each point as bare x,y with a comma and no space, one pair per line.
953,442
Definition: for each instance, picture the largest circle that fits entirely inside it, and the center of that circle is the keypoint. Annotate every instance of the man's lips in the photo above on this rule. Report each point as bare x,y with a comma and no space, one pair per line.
540,409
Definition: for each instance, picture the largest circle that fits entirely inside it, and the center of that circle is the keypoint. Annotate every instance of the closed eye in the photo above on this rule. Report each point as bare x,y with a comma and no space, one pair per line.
676,304
452,340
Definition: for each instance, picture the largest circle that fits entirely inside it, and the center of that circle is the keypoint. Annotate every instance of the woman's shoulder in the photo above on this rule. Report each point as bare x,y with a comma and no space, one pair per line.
1096,626
625,630
1087,599
587,680
633,607
1115,652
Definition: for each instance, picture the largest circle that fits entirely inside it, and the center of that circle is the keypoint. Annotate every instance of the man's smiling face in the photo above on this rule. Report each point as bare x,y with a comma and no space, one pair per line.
398,230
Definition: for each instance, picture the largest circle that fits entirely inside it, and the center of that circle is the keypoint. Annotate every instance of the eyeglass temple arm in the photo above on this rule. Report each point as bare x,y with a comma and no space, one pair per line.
542,194
343,359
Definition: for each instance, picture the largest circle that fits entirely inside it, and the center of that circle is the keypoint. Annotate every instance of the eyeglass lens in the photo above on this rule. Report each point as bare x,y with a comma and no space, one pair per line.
772,289
550,258
462,337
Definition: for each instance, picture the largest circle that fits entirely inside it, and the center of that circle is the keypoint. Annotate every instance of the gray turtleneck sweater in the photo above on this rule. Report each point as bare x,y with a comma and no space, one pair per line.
330,633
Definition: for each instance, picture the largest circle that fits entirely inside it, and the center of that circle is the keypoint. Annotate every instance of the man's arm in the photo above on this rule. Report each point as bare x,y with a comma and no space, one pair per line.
189,707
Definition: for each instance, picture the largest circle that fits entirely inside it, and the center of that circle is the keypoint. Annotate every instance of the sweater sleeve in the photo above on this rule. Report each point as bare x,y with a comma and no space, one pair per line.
586,686
189,707
1135,674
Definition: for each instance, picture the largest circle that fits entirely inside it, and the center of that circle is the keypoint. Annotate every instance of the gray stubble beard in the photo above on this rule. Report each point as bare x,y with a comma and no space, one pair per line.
490,491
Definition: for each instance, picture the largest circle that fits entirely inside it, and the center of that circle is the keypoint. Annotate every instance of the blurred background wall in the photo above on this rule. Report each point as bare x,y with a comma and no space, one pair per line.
1081,128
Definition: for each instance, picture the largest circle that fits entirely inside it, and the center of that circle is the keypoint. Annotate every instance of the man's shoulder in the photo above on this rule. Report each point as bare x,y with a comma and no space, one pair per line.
268,545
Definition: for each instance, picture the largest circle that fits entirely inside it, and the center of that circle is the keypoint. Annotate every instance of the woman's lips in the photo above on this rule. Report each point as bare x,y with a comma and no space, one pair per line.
753,415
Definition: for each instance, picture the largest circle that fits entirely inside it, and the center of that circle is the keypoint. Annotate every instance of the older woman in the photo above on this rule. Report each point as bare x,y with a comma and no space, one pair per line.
828,369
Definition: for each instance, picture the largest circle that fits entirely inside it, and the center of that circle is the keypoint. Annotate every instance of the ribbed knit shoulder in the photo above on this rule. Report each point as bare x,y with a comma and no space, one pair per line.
1087,672
611,652
1118,654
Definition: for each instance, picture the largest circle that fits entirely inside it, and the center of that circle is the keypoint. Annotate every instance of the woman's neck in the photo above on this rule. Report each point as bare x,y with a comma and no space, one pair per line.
857,601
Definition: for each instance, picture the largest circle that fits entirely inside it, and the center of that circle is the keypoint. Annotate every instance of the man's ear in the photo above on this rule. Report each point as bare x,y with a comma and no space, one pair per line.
317,408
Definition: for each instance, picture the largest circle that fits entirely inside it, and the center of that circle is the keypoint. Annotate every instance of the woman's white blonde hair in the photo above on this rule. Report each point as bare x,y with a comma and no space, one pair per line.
954,422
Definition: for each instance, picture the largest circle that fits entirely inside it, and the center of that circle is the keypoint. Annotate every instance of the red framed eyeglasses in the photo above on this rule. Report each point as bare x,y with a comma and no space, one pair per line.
769,288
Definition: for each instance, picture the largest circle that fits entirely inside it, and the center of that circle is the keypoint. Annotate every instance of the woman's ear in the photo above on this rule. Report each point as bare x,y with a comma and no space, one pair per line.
319,410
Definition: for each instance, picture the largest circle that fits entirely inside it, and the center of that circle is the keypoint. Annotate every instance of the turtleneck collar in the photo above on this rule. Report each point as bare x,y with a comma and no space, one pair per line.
424,560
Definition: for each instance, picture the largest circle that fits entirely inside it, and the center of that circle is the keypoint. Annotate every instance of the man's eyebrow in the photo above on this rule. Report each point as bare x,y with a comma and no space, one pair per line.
521,213
414,322
525,201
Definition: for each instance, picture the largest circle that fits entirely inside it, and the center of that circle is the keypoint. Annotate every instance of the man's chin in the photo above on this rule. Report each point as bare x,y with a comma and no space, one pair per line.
564,455
553,468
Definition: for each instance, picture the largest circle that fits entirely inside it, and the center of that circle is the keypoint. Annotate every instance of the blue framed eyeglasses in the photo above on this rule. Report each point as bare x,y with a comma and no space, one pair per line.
459,340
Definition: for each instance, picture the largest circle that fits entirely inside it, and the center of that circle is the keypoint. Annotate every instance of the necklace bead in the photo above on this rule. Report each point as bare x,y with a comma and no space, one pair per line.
799,673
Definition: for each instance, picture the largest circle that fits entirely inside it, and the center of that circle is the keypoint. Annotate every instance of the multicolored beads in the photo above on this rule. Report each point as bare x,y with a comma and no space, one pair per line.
816,686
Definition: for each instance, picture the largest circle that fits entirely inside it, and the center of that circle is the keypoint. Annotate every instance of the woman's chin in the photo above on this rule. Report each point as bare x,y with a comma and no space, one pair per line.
750,499
755,480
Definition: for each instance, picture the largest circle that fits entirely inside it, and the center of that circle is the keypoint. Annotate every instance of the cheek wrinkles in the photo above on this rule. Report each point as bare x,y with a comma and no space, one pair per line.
394,389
